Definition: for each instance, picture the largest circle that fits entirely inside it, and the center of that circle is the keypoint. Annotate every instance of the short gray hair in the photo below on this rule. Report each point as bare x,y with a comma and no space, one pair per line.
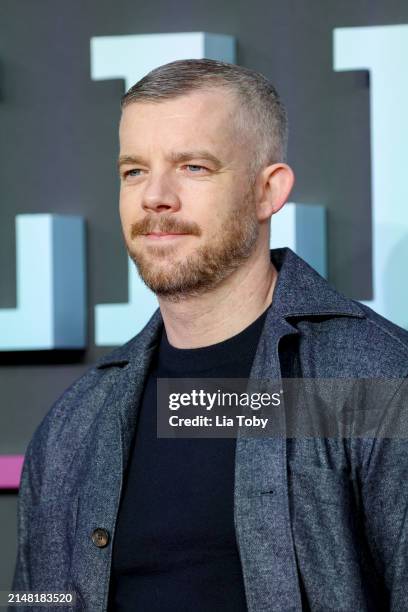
262,114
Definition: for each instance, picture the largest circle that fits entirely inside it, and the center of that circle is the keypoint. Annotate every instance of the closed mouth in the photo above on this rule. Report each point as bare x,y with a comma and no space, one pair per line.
165,234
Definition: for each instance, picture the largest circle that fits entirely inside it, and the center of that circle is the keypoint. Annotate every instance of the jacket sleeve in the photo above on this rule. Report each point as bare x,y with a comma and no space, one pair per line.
51,448
27,498
385,499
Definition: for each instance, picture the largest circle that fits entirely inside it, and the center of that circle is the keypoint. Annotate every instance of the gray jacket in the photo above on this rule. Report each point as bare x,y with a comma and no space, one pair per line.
320,522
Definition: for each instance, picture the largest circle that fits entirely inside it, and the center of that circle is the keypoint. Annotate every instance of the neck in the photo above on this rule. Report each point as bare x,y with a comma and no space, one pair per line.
225,311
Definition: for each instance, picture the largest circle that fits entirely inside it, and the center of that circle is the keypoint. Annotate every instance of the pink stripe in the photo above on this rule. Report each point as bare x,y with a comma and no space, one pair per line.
10,471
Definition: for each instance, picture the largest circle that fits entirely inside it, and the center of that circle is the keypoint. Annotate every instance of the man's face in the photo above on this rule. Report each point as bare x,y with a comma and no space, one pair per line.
185,169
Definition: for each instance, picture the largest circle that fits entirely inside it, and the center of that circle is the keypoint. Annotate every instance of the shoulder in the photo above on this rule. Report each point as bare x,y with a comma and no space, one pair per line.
395,338
381,344
363,345
71,420
72,414
61,432
339,336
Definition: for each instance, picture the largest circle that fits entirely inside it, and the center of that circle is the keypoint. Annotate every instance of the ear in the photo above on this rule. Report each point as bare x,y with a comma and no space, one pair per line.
274,185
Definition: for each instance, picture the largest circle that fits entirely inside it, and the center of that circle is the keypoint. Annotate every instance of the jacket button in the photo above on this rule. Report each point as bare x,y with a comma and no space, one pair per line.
100,537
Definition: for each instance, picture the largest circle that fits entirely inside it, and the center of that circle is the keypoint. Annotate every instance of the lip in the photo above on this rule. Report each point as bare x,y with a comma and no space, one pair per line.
163,236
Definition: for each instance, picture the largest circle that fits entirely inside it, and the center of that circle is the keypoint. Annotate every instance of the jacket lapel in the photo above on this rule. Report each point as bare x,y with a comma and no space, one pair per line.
262,517
261,504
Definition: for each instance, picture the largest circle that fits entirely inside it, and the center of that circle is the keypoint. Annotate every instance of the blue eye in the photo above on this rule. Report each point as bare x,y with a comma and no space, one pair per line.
194,167
133,173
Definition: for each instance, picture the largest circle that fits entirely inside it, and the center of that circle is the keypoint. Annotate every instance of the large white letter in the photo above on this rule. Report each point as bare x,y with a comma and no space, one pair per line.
51,305
383,50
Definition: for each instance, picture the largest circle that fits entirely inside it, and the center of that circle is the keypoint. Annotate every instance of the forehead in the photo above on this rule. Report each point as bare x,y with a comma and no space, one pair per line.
208,116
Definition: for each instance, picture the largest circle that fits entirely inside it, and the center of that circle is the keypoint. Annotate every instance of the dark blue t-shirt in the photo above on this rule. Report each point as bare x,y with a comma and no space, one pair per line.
174,547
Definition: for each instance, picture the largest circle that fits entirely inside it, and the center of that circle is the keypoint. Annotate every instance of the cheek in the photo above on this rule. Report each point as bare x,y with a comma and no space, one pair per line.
202,199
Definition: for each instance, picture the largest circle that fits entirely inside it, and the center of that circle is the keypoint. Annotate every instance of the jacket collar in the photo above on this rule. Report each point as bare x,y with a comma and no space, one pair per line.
299,292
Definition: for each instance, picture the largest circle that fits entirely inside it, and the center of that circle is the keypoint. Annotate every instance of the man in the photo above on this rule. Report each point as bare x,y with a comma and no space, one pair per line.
128,520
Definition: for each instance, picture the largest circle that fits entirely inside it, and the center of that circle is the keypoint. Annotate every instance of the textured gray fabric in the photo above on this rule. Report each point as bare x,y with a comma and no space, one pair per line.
320,522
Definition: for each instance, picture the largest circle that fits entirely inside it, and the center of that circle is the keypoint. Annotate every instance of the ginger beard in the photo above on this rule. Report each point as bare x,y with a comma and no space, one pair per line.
175,276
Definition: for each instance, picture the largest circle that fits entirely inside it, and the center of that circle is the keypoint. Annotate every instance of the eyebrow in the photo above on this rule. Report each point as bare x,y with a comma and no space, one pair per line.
183,156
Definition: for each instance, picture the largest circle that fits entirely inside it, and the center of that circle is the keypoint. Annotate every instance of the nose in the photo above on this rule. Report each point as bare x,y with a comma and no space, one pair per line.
160,194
